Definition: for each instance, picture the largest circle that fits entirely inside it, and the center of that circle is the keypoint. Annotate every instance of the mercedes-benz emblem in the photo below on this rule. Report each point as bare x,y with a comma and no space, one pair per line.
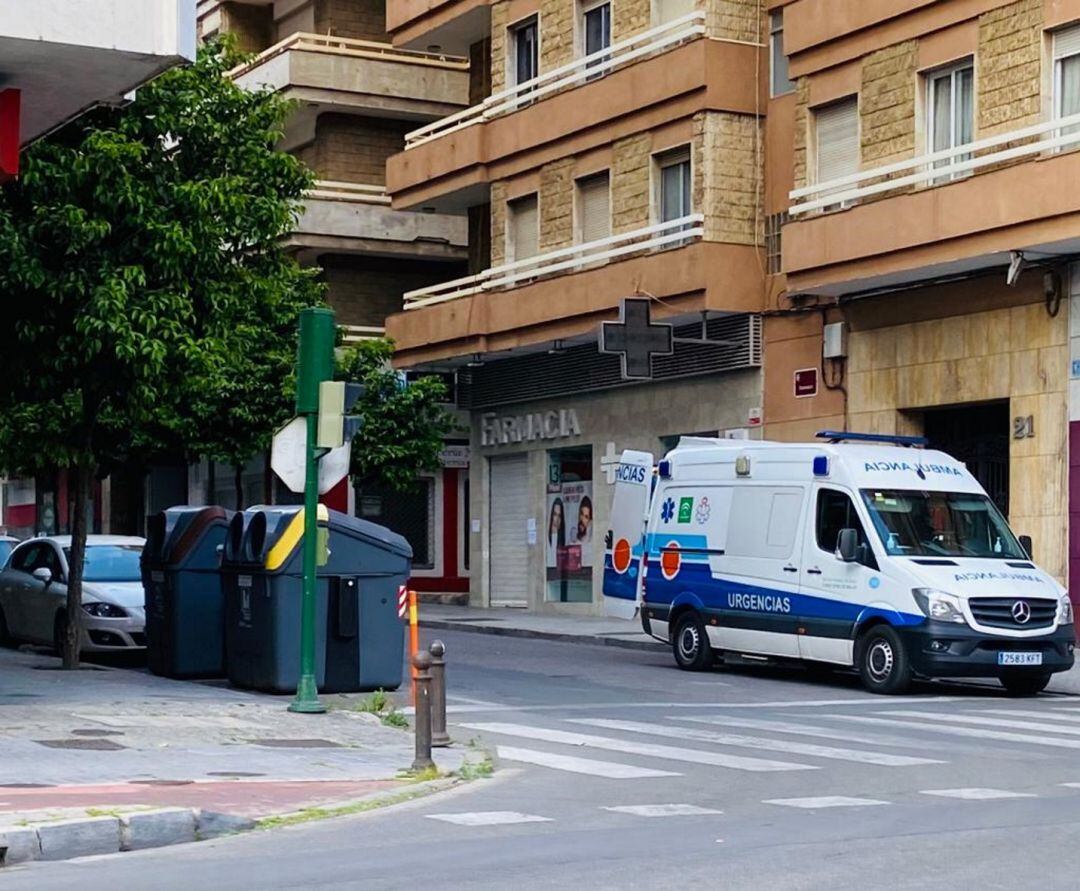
1021,612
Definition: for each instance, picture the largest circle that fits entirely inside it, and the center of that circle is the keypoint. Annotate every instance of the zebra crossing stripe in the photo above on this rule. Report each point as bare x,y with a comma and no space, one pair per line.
884,759
609,770
649,750
488,818
824,801
970,732
797,729
986,722
1021,713
977,794
662,810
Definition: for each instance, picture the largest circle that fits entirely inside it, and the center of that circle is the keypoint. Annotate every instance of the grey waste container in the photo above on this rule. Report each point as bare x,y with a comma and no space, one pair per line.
185,608
359,642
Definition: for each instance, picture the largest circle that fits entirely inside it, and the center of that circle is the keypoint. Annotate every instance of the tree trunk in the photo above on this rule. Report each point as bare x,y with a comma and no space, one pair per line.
238,483
71,636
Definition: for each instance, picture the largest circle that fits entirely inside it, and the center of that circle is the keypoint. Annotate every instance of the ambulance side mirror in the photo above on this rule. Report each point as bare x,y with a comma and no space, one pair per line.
1026,544
847,545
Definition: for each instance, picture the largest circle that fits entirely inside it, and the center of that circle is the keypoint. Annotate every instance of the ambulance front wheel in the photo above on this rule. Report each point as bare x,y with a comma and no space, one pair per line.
690,643
882,661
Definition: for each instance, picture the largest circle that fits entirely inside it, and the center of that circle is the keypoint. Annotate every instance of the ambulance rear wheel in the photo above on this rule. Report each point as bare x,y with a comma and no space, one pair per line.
690,643
882,661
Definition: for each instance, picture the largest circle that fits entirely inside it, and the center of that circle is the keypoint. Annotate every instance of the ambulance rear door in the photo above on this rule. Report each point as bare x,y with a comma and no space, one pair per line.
624,544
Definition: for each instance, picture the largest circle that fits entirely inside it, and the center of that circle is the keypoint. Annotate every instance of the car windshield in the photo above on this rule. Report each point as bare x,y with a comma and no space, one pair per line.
110,563
6,548
940,524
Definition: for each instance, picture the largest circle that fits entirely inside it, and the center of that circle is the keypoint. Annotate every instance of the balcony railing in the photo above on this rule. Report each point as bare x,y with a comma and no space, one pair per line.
648,43
938,168
571,259
331,190
352,48
351,335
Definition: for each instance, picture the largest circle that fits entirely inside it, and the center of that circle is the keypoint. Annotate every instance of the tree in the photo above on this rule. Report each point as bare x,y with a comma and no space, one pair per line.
152,309
403,424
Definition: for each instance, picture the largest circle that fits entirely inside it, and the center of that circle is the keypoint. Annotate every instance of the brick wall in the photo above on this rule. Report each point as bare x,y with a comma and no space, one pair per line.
498,223
500,13
360,19
1008,77
556,33
557,205
365,290
630,175
802,131
354,149
735,19
887,103
726,157
253,26
630,17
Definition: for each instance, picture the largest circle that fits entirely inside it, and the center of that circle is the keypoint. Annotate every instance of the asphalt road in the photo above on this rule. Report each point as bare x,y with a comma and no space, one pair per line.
619,771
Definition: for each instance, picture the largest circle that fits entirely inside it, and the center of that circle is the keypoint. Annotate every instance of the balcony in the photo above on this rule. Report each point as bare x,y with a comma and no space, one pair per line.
945,213
359,76
352,218
353,335
453,24
664,74
563,294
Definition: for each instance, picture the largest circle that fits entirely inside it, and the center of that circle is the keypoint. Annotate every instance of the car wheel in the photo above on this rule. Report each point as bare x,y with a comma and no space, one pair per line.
60,627
882,661
5,632
1025,683
690,643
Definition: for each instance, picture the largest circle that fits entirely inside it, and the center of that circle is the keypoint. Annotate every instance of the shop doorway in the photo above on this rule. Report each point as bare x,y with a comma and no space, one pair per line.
568,545
978,435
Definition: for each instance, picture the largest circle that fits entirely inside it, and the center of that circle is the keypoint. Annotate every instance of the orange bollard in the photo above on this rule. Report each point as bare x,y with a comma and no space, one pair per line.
414,639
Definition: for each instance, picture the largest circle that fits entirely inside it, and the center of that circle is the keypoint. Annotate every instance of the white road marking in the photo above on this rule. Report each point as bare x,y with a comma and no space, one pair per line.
610,770
971,732
796,729
662,810
884,759
1070,785
976,794
793,703
488,818
1020,713
670,753
985,722
825,801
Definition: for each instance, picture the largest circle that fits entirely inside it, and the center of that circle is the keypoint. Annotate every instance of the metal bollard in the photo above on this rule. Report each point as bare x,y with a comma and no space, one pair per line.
422,664
439,737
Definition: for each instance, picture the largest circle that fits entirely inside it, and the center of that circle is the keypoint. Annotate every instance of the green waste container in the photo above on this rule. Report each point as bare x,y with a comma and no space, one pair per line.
359,641
185,607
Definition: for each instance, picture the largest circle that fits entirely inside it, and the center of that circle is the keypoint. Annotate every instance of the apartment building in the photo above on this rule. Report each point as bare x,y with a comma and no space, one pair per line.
356,97
861,213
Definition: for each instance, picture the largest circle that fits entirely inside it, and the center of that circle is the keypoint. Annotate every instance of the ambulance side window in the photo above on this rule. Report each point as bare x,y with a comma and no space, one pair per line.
835,511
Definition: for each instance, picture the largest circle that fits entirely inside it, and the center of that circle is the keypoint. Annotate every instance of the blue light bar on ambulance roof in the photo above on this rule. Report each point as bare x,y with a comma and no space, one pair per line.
821,465
664,469
845,436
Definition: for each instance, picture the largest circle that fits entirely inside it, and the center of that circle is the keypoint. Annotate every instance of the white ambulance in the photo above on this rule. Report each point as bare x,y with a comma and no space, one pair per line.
861,550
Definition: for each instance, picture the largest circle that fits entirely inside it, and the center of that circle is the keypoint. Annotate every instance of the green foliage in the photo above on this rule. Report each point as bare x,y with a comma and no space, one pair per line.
403,425
150,310
376,703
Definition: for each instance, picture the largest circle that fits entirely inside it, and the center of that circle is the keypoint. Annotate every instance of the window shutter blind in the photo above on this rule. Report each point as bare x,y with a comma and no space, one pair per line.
669,10
524,220
837,128
1067,42
595,205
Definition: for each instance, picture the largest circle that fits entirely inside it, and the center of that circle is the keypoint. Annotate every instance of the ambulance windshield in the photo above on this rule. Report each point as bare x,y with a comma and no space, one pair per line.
940,524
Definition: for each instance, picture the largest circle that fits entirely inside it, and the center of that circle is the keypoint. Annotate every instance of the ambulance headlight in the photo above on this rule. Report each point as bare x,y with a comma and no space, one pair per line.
1065,611
939,606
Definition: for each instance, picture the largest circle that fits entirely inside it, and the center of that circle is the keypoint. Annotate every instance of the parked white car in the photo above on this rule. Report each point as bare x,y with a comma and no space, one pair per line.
33,593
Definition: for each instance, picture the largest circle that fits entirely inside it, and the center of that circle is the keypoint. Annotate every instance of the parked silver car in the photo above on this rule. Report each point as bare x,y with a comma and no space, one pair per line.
33,593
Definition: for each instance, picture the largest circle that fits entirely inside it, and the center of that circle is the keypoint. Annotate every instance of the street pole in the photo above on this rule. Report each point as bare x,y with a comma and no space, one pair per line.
315,365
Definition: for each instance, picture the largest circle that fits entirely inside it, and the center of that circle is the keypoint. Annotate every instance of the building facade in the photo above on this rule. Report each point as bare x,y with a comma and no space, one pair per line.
862,209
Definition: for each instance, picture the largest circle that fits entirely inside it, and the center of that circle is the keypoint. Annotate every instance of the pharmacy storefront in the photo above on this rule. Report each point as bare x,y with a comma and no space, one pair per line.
544,472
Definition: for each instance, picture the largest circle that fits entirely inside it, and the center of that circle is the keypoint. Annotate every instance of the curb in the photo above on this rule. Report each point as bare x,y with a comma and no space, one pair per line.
591,640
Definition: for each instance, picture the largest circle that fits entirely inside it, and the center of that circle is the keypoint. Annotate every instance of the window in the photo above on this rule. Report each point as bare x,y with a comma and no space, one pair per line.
836,511
111,563
570,550
768,522
950,112
410,513
1067,75
779,82
594,208
523,230
24,559
525,51
836,140
673,198
669,10
774,254
596,29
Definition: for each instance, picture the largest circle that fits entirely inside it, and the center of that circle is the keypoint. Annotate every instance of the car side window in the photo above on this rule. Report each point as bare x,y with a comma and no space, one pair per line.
50,559
836,511
24,558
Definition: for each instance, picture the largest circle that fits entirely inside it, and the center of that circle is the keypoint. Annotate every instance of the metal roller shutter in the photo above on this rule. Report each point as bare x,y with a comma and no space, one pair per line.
595,208
837,128
509,500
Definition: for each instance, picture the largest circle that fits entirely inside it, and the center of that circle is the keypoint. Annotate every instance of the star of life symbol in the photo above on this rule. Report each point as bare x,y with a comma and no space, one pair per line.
667,511
703,511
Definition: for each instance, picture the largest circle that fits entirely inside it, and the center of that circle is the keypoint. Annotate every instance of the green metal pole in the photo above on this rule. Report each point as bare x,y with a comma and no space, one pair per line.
316,364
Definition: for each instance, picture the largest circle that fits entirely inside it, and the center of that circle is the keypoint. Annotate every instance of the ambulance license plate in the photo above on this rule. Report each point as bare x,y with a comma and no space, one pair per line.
1019,658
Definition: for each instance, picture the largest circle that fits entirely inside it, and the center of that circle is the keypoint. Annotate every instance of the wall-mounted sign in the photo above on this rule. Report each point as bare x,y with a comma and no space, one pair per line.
753,417
805,382
455,456
510,429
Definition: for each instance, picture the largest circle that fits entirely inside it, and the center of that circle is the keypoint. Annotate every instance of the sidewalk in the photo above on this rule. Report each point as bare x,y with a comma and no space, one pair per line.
523,623
100,740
